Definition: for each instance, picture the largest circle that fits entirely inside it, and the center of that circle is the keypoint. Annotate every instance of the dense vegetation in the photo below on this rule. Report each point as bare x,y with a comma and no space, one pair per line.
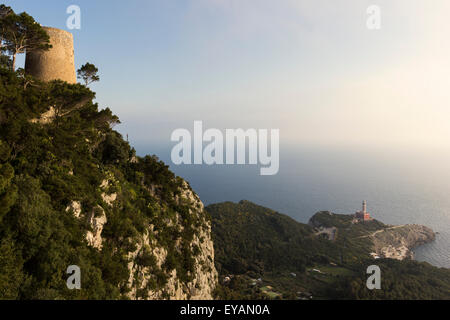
266,254
20,33
46,165
250,237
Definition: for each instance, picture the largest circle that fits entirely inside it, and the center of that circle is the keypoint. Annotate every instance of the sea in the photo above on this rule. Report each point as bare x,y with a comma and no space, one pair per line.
407,186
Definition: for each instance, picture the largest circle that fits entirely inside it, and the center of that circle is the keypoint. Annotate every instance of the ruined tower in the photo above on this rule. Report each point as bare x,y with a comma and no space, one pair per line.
58,63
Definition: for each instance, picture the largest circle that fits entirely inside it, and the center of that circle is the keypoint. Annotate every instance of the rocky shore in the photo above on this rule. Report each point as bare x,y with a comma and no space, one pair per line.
397,242
385,241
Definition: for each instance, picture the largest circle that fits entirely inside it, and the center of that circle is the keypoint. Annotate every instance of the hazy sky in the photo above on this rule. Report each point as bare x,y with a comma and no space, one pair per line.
310,68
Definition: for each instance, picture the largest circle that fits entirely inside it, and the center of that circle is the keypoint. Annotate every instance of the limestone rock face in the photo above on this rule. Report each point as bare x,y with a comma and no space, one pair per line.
75,208
46,117
204,276
50,115
97,219
143,280
397,242
385,241
108,198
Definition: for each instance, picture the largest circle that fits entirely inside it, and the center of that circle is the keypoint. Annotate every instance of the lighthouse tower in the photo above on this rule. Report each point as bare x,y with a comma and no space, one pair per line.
363,215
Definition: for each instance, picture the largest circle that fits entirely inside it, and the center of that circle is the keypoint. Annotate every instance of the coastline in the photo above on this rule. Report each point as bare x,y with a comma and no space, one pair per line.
398,242
385,241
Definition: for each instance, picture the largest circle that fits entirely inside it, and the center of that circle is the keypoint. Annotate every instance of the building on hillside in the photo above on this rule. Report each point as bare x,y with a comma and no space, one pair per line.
363,215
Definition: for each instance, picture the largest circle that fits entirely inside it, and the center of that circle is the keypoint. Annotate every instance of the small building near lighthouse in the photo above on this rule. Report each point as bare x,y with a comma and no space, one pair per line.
363,215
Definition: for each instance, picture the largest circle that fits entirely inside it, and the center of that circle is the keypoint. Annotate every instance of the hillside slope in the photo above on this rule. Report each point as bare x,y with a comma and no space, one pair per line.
247,232
261,253
395,242
73,192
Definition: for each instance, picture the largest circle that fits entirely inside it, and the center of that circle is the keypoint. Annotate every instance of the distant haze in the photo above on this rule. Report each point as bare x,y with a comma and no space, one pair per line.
363,114
400,186
310,68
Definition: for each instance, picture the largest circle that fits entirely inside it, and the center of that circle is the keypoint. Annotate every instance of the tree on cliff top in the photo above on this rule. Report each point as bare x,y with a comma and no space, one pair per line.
20,33
88,73
4,12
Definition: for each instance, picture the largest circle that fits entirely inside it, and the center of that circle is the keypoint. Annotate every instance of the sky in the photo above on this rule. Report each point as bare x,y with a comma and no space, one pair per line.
309,68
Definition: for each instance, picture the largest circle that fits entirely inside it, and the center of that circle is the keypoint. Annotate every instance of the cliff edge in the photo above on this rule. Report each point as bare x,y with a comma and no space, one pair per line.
397,242
374,237
73,192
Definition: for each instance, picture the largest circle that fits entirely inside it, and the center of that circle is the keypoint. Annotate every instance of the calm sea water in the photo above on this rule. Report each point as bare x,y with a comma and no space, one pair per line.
401,187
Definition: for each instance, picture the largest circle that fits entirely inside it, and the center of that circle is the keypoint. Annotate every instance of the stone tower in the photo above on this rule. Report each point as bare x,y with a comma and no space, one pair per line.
58,63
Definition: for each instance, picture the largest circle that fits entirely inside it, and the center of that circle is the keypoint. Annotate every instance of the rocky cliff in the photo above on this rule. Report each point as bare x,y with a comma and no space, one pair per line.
397,242
203,277
374,237
74,192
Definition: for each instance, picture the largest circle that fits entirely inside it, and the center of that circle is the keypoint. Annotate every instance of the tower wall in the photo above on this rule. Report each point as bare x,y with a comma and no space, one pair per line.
58,63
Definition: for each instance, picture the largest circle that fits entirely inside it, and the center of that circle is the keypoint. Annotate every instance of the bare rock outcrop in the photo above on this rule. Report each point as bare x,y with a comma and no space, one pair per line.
385,241
143,281
398,242
97,219
204,276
